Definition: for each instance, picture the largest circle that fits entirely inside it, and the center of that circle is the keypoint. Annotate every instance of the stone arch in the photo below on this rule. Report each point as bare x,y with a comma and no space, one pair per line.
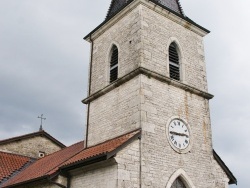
180,173
174,40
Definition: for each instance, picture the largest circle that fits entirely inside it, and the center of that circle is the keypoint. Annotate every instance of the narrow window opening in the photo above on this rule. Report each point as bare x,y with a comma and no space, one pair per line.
114,65
178,184
174,66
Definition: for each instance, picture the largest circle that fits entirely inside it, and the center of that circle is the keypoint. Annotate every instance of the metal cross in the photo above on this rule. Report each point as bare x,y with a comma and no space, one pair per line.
42,118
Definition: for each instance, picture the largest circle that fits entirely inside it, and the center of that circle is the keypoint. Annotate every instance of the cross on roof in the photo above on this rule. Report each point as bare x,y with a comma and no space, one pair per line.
42,118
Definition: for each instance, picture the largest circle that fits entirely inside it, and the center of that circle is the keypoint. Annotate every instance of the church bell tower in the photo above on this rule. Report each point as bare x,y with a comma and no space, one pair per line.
148,72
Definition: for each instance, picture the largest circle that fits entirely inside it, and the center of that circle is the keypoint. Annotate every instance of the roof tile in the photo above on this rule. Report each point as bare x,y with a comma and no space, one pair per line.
102,148
46,166
66,157
10,164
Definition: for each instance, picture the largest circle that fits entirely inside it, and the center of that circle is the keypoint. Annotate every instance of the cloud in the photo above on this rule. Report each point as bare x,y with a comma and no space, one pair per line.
44,69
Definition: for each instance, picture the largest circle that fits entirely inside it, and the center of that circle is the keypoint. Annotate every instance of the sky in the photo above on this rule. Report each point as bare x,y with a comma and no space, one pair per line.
44,70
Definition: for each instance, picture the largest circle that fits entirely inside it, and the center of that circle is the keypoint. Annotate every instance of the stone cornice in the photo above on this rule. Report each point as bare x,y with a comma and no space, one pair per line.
184,21
150,74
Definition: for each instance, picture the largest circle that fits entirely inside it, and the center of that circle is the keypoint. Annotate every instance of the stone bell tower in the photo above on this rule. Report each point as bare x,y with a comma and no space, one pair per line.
148,72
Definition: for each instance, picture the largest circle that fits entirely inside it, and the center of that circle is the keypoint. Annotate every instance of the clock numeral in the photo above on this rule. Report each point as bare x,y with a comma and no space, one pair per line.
179,145
179,123
172,137
186,130
186,141
174,123
175,143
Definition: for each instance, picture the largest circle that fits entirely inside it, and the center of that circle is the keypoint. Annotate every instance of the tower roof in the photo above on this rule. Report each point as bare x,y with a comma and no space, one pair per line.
173,5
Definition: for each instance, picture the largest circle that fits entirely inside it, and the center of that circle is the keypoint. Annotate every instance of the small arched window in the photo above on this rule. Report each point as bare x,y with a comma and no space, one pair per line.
178,184
174,65
113,64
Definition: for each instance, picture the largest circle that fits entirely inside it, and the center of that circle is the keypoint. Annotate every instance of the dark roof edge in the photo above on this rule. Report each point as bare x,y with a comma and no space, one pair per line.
130,1
180,7
46,177
112,2
39,133
102,156
230,175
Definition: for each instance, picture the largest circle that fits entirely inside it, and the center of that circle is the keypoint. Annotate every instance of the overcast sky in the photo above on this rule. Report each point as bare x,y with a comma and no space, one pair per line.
44,69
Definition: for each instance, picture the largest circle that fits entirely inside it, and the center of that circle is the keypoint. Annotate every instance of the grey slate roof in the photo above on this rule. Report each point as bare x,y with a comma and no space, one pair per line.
117,5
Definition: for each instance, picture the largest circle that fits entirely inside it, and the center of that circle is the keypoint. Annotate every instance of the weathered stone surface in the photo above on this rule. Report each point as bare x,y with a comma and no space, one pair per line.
31,147
143,37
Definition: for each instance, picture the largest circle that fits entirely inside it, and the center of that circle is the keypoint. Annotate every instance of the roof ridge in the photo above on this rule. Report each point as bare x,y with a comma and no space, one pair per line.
42,132
113,138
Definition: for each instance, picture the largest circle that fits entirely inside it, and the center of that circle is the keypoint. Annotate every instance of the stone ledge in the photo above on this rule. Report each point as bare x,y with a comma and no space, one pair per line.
148,73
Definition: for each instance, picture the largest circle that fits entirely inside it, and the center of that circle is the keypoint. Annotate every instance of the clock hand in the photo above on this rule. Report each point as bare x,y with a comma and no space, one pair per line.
178,134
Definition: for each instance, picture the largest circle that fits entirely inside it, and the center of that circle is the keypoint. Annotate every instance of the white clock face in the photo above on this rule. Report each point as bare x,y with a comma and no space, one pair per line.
179,134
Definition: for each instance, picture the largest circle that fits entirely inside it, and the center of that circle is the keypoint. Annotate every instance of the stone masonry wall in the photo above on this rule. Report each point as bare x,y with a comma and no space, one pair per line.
126,35
149,103
31,147
115,113
122,171
161,102
103,175
157,34
128,160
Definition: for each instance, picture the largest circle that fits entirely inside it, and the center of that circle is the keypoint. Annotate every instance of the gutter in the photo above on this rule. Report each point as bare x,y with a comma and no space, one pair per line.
46,177
89,92
91,160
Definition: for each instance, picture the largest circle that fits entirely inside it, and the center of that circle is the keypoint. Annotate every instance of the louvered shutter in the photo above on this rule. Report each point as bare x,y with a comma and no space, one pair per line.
174,67
178,184
114,65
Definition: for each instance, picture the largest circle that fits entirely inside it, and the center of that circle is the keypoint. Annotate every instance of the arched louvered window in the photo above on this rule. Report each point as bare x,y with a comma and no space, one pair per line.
178,184
113,64
174,65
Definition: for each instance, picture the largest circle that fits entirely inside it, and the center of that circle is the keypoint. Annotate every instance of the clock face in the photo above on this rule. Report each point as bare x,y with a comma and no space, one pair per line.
178,133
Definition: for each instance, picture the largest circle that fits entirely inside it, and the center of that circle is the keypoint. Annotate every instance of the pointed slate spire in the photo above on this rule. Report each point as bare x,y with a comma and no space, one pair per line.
117,5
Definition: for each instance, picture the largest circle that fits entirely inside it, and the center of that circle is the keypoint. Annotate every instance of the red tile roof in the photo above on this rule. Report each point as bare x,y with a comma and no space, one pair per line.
69,157
106,148
11,164
46,166
39,133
